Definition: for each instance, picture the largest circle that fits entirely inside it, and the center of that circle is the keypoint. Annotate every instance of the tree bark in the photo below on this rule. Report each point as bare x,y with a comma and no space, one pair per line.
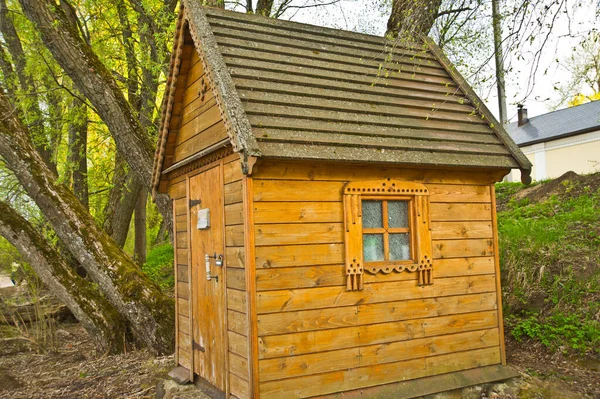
214,3
121,201
94,80
411,18
128,289
499,59
264,7
78,152
100,319
139,253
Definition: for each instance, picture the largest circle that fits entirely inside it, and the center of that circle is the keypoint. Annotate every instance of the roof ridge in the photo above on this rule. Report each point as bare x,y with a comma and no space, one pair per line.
563,109
261,19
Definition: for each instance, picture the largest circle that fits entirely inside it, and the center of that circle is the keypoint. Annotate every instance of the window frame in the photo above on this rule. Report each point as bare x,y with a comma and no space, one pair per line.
354,193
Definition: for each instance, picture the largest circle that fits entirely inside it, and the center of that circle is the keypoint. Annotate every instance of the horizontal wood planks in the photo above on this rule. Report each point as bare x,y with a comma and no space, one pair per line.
199,124
239,372
314,337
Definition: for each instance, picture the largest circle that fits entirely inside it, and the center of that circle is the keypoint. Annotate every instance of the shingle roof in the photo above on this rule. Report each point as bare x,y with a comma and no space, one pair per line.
562,123
306,92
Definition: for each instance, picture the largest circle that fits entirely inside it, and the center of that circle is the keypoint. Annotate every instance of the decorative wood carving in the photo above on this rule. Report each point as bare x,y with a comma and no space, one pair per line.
421,262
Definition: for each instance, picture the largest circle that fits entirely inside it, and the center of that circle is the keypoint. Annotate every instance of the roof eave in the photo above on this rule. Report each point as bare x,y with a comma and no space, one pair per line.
236,122
524,163
167,105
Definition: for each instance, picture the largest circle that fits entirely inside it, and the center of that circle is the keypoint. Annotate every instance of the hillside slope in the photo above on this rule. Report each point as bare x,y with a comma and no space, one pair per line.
550,260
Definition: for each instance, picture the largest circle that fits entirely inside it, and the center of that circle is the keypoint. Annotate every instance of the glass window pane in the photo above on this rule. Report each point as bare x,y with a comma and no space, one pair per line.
372,214
398,213
399,246
372,247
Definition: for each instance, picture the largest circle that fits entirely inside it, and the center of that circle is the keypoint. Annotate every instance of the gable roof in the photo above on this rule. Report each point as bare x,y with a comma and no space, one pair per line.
554,125
297,91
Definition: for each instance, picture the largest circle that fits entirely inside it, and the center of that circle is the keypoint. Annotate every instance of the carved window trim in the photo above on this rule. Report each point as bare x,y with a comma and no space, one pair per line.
418,196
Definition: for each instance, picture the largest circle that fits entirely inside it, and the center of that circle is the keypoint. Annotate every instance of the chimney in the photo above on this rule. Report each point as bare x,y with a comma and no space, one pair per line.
522,115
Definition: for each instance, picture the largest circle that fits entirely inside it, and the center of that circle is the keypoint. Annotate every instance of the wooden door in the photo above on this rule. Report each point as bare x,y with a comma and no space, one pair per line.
208,296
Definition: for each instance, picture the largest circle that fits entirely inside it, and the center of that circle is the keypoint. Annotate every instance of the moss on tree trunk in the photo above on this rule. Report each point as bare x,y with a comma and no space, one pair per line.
127,288
101,320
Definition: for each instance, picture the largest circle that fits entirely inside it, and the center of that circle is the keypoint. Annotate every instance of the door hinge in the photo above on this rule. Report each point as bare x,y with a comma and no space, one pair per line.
197,346
195,202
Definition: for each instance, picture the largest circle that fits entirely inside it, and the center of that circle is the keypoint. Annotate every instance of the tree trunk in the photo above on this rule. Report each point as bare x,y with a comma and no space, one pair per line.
161,236
264,7
139,253
78,152
499,59
128,289
121,201
411,18
100,319
214,3
95,81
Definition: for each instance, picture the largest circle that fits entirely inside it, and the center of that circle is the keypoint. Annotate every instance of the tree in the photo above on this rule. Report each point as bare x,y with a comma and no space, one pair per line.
104,324
25,89
148,311
91,77
411,18
584,67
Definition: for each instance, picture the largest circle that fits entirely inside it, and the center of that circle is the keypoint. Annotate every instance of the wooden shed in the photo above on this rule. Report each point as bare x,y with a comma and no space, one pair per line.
334,214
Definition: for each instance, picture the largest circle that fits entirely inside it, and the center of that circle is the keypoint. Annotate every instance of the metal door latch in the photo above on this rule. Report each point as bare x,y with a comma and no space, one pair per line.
197,346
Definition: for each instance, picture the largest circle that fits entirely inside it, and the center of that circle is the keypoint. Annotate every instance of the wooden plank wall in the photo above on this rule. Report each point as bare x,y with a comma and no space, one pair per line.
178,193
315,337
237,322
200,123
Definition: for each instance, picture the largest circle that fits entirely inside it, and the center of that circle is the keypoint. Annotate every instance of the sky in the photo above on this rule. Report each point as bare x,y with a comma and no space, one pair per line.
369,16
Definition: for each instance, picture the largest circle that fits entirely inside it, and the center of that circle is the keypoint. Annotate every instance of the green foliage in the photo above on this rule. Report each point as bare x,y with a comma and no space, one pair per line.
159,266
550,252
559,331
8,255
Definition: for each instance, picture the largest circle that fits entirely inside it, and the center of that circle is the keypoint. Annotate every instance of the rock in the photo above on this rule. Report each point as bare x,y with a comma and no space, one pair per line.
180,374
169,389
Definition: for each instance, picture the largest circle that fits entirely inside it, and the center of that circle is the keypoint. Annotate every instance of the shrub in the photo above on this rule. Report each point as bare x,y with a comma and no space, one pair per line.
159,266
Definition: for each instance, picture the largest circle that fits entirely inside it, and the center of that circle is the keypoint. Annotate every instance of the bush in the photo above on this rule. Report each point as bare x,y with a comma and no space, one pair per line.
159,266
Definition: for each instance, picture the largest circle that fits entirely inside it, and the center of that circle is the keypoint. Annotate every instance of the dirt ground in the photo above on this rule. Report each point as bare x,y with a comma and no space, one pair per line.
555,375
76,371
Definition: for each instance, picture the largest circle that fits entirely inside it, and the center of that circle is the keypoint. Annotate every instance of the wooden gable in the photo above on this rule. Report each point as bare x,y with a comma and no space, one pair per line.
192,121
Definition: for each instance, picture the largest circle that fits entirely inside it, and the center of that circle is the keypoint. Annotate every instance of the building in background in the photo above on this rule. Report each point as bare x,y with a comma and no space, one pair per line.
559,141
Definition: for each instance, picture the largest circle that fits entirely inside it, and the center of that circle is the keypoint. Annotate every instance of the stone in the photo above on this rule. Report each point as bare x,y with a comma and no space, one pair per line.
180,374
169,389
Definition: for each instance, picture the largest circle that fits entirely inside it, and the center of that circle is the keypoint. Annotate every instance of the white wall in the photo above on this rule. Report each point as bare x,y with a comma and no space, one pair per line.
580,153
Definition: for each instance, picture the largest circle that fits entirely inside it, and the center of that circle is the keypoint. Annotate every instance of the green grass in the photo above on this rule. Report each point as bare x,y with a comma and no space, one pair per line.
159,266
550,261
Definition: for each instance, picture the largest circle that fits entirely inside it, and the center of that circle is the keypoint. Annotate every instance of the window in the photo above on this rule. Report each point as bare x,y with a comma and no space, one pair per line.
386,230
